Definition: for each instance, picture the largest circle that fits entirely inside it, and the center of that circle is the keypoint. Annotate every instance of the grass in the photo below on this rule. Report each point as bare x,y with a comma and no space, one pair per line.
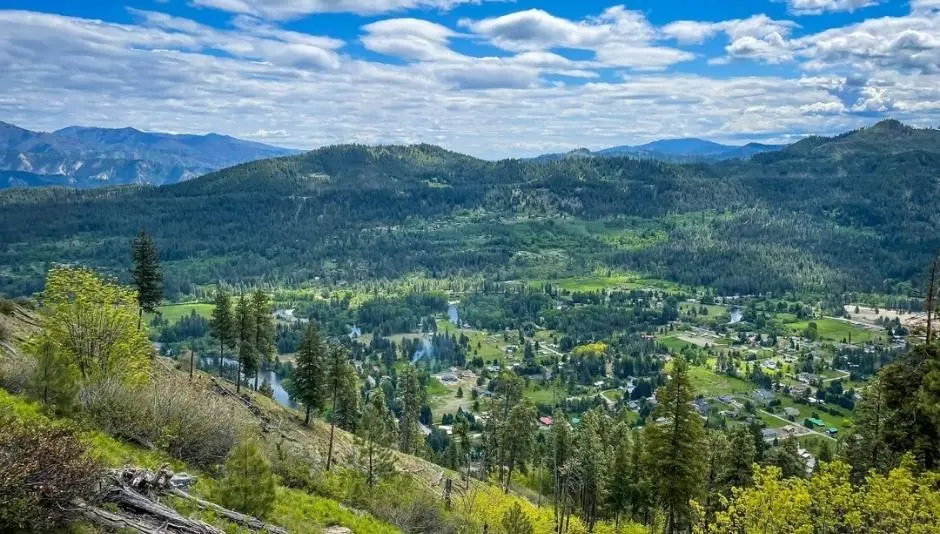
836,330
710,383
830,420
174,312
437,389
613,394
543,395
674,344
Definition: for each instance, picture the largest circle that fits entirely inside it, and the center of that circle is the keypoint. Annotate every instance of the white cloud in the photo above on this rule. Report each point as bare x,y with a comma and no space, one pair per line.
255,79
618,37
816,7
288,9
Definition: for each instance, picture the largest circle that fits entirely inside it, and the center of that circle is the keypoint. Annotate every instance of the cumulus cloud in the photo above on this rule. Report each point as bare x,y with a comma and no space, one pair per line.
288,9
816,7
255,79
618,37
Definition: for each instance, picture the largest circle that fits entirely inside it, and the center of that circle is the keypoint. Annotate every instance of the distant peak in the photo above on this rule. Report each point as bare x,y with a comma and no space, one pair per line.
890,125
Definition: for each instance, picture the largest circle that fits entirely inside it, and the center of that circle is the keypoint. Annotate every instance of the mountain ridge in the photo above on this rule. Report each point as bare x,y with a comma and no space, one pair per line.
84,157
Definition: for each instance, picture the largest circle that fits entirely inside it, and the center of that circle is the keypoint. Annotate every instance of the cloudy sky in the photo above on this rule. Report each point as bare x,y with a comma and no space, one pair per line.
492,78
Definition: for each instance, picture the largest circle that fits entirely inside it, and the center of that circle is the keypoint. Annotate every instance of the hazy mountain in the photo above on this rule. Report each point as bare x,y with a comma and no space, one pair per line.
89,157
673,150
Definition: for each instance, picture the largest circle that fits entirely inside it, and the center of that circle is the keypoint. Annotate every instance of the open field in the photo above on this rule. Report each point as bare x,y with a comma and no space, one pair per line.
867,314
710,383
673,343
837,330
173,312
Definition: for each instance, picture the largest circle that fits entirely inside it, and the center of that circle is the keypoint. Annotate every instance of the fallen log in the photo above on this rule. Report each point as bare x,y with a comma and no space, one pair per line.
136,492
241,519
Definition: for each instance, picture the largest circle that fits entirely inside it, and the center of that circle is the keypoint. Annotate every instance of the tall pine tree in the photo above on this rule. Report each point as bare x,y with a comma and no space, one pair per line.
374,435
222,324
264,332
147,274
339,375
409,391
675,444
308,382
245,323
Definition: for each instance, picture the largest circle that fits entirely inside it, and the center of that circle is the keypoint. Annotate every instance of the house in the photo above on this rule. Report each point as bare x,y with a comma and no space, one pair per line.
370,381
813,422
791,412
545,421
702,406
799,390
768,433
832,431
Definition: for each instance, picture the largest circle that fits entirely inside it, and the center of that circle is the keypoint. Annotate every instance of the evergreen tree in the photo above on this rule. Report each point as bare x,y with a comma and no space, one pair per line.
338,371
54,379
222,324
740,459
308,381
462,433
517,435
787,458
619,490
249,485
410,394
516,522
147,274
375,433
346,410
245,323
264,332
593,459
675,445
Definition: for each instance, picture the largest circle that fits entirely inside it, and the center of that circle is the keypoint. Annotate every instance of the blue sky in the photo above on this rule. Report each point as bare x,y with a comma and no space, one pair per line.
487,77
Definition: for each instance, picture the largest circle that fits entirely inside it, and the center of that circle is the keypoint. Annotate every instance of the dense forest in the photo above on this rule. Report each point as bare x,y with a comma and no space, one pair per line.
855,212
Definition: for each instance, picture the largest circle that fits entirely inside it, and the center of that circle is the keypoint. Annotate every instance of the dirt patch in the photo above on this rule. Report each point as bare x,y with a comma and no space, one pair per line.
868,315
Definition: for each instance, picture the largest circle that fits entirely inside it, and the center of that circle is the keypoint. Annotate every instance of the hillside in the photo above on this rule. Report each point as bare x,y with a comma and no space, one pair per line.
91,157
855,211
688,150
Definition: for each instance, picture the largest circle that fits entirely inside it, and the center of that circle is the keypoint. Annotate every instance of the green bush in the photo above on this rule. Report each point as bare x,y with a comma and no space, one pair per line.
7,306
43,467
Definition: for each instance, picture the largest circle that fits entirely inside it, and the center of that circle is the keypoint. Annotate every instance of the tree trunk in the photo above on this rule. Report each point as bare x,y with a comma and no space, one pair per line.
140,317
238,377
329,458
512,463
192,363
221,354
307,416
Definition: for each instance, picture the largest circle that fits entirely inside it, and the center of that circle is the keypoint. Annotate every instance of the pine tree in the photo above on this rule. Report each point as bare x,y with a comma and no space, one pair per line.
462,433
249,485
346,410
147,274
222,324
245,323
675,443
517,435
54,380
308,382
741,457
264,331
618,497
593,458
338,370
410,393
515,521
787,458
374,435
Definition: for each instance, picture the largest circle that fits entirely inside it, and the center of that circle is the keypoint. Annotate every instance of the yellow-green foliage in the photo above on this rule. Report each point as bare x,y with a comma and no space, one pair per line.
488,506
93,321
591,349
828,502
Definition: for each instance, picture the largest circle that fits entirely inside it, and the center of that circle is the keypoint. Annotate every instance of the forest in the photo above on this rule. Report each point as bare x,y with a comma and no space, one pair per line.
802,219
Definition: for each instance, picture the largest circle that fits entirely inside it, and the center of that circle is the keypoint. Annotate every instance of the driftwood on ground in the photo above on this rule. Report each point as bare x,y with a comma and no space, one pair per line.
136,493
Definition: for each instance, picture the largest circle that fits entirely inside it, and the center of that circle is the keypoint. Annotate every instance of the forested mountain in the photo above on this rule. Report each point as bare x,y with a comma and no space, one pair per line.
688,150
89,157
856,211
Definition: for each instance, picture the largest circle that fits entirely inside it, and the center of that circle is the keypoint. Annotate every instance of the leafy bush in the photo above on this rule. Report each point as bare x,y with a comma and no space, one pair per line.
43,467
7,306
16,373
188,423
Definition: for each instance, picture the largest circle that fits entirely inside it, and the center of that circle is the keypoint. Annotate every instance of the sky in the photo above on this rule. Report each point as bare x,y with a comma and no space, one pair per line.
490,78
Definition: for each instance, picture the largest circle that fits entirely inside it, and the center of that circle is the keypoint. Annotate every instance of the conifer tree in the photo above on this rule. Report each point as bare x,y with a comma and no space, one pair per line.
516,522
147,274
619,491
54,380
374,435
245,323
346,409
787,458
410,394
308,382
249,485
517,435
222,324
675,444
338,371
264,332
593,459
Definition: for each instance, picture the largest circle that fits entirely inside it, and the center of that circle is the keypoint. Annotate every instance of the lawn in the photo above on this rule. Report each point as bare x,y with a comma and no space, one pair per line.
807,411
674,344
710,383
613,394
543,395
836,330
174,312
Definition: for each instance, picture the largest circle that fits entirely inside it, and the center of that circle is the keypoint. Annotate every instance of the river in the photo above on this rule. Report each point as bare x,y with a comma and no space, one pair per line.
280,394
452,314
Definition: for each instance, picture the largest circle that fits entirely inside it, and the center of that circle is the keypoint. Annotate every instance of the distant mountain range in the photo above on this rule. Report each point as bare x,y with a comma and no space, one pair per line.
89,157
673,150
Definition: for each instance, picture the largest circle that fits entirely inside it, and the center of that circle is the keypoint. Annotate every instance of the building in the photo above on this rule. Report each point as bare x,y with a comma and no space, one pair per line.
545,421
813,422
791,412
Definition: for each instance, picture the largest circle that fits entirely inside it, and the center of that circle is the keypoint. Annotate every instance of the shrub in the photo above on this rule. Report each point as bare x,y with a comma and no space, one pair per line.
7,306
16,373
188,423
43,467
249,484
4,332
515,521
